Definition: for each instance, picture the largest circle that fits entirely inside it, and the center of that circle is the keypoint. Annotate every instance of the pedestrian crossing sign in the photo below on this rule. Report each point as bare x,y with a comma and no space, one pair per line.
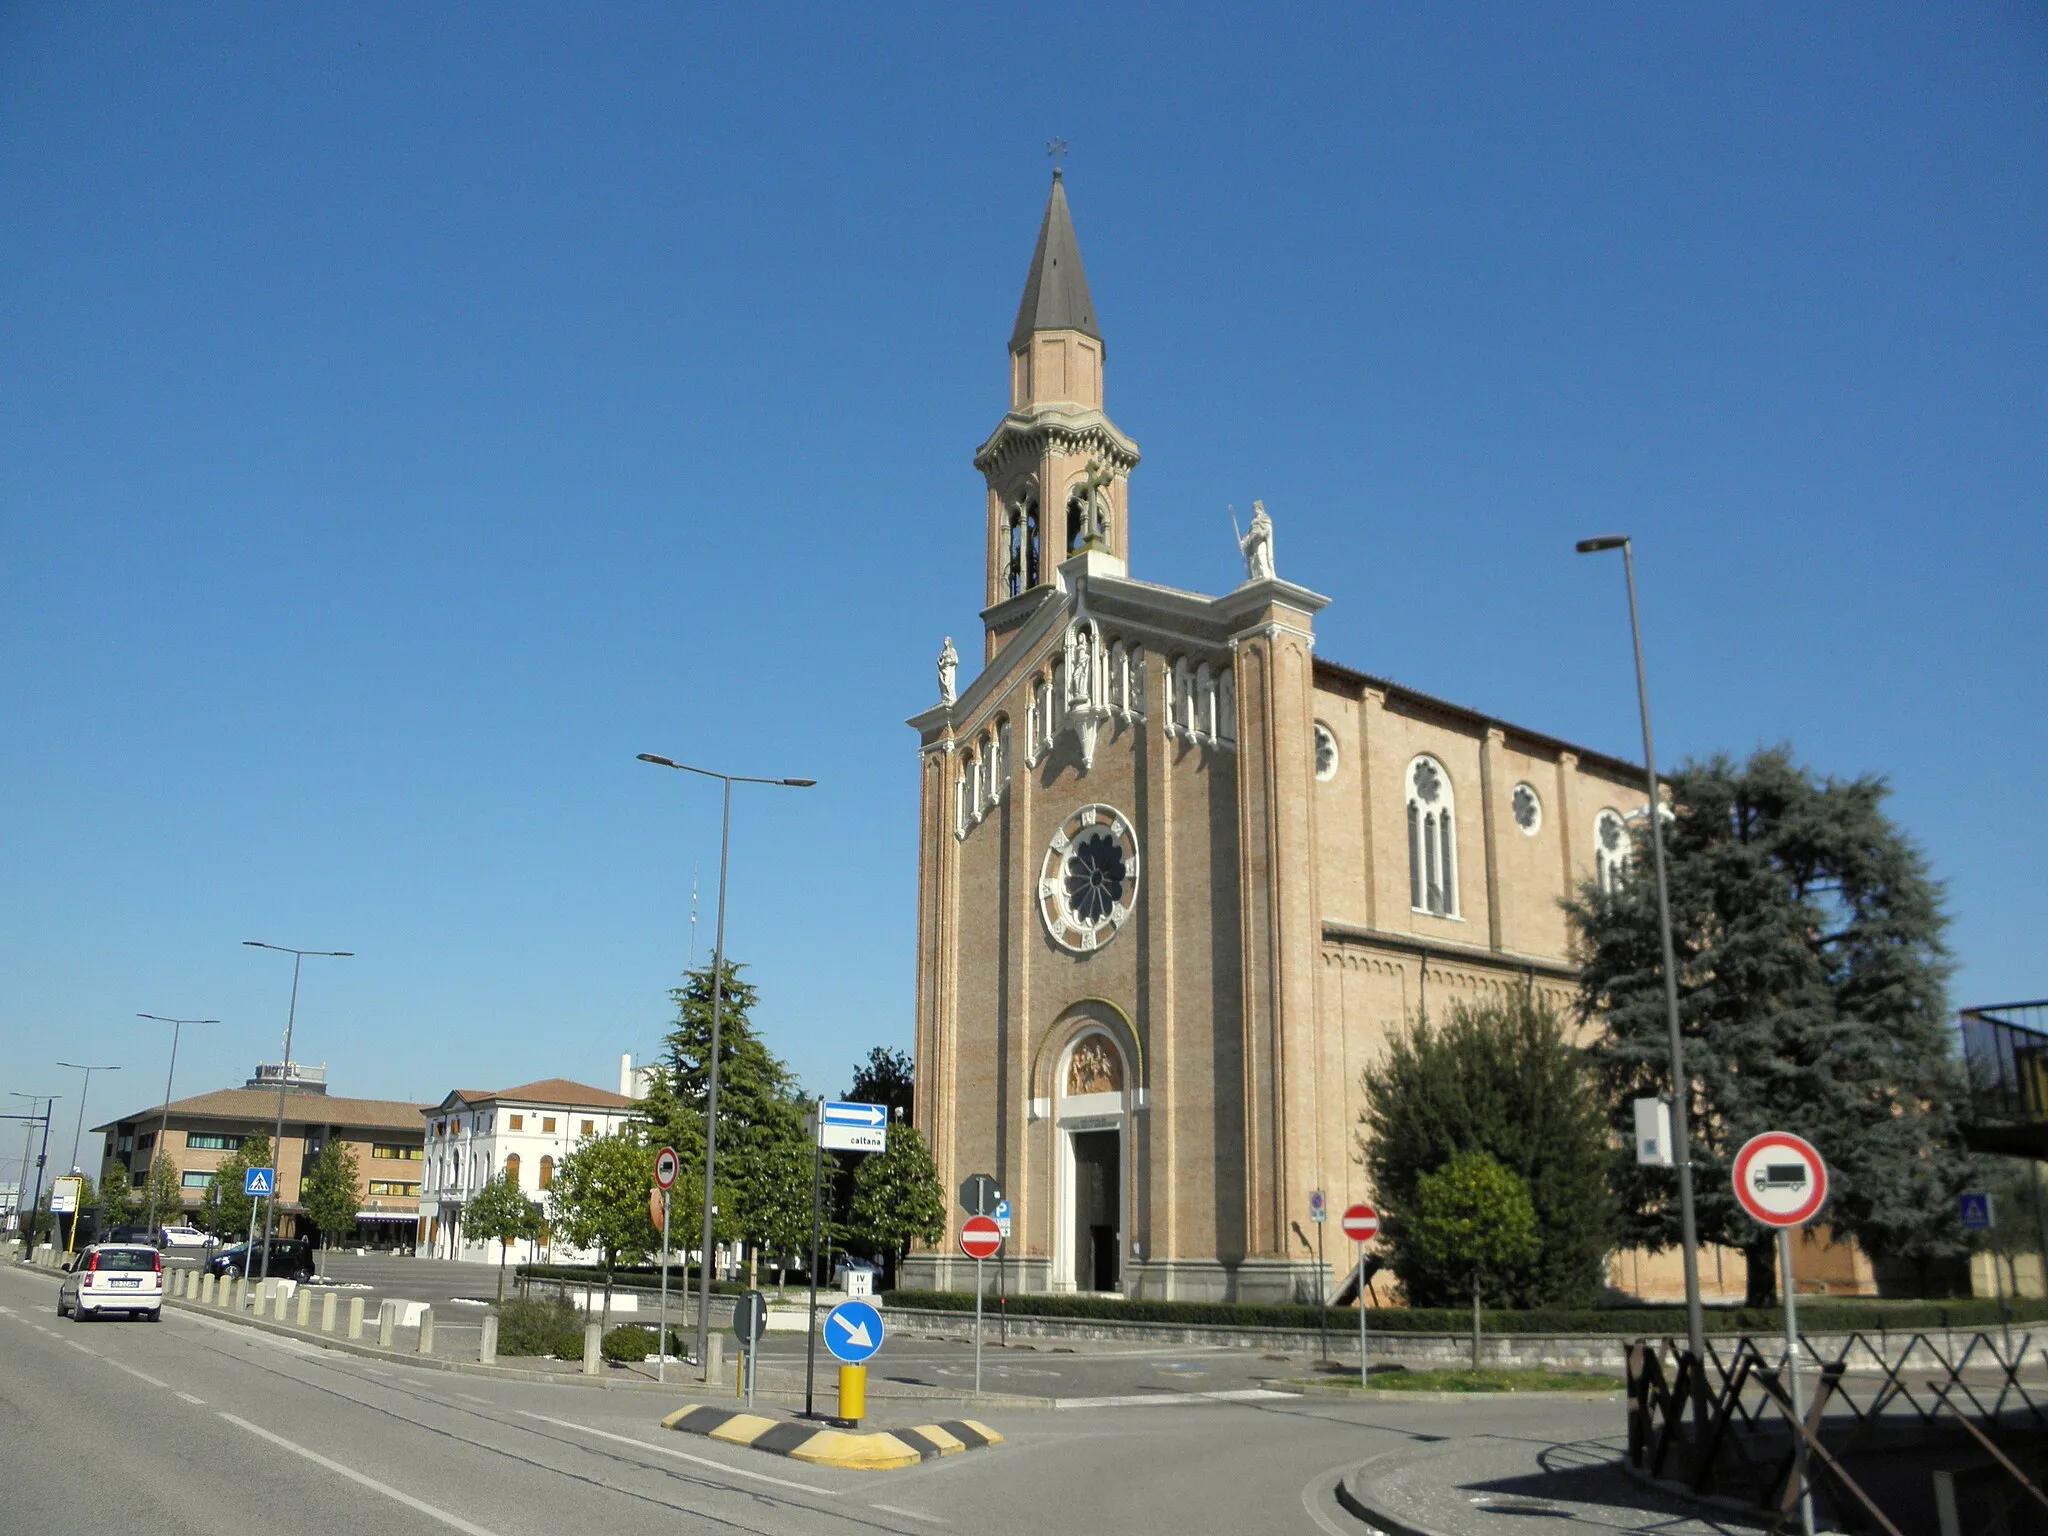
259,1181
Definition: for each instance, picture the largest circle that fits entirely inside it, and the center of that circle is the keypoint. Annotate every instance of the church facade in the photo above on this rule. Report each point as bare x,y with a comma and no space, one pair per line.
1179,876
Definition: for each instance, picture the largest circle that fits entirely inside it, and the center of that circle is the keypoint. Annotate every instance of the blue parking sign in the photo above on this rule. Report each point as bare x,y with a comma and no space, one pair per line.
1975,1206
259,1181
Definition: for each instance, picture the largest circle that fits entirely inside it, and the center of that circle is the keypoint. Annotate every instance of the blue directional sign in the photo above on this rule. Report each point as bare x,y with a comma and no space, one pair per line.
853,1331
259,1181
1975,1206
847,1127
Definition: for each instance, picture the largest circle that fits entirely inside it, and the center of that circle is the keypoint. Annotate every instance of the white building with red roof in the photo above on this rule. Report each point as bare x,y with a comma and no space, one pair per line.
473,1135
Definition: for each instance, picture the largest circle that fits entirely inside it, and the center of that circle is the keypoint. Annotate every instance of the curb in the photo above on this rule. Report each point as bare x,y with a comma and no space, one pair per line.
887,1450
1381,1397
1376,1521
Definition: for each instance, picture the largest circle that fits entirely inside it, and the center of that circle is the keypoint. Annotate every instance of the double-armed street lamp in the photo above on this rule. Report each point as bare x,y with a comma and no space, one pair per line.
1695,1323
164,1123
48,1101
717,998
284,1077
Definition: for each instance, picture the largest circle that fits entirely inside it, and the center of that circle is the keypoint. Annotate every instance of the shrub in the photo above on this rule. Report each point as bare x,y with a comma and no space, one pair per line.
1816,1315
568,1344
627,1345
531,1327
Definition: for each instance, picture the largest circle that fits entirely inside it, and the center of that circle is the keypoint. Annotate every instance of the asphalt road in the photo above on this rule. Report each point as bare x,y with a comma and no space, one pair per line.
197,1425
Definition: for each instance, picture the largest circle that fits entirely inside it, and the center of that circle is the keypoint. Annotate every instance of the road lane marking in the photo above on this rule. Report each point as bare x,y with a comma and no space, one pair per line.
83,1349
139,1375
472,1397
398,1495
891,1509
663,1450
196,1402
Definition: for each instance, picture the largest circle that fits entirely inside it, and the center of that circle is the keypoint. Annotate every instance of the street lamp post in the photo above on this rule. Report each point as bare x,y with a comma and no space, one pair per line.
1695,1323
717,999
49,1102
164,1124
284,1077
79,1129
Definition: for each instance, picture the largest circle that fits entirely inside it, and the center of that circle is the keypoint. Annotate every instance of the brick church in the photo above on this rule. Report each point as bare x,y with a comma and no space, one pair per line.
1179,875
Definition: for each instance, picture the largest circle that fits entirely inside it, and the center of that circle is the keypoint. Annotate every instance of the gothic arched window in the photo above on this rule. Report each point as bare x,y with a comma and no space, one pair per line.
1432,839
1031,541
512,1169
547,1172
1610,850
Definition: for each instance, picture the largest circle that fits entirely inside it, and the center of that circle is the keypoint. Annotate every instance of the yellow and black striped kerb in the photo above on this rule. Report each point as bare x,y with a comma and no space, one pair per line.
875,1451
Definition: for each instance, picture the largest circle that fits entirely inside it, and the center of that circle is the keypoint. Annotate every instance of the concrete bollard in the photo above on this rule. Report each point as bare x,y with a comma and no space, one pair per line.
237,1291
206,1289
327,1313
355,1317
277,1307
304,1319
593,1348
487,1351
426,1340
714,1358
387,1323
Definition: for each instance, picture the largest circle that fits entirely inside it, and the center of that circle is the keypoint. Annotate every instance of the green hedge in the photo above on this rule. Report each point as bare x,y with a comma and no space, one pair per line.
639,1278
1816,1315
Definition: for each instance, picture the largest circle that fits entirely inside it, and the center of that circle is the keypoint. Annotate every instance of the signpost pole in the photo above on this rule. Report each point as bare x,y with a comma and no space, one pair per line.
1792,1380
977,1327
1364,1372
1323,1299
661,1341
817,1201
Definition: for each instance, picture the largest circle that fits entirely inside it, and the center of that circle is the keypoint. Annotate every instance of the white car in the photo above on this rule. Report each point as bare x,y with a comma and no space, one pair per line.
113,1277
184,1237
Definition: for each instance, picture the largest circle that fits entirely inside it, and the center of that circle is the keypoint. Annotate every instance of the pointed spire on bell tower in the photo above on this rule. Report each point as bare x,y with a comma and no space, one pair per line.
1056,291
1058,469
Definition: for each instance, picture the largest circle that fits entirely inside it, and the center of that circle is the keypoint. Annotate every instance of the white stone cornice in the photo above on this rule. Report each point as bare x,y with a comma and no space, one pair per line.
1076,430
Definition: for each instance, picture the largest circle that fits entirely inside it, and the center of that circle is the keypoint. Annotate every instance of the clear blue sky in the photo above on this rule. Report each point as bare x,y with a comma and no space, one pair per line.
410,416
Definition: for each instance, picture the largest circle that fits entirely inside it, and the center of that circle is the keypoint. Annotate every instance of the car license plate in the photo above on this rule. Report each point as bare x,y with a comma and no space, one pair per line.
128,1284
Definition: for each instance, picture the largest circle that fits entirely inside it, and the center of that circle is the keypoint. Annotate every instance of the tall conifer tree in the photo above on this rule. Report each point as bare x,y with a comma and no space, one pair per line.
1811,979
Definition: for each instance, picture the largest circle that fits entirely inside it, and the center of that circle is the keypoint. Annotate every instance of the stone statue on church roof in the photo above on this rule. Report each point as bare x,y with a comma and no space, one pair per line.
949,671
1257,546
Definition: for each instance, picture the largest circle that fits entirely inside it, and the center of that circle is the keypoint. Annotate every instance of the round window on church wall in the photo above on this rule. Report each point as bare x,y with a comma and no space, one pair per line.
1089,882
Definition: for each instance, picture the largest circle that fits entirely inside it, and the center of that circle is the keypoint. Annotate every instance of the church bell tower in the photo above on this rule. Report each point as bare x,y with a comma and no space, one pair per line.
1058,470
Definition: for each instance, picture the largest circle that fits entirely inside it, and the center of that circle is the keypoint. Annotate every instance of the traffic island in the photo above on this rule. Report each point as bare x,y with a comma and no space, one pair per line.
883,1450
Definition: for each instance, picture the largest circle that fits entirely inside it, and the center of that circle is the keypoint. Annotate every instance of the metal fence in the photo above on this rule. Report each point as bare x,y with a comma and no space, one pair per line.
1951,1412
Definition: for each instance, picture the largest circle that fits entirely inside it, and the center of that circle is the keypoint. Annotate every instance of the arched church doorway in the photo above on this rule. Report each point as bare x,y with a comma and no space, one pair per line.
1094,1160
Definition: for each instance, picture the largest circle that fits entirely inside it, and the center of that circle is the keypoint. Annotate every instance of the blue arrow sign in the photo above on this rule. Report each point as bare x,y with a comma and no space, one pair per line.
853,1331
837,1113
258,1181
1975,1207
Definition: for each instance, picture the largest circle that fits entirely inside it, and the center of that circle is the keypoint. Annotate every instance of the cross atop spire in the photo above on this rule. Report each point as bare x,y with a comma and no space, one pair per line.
1056,291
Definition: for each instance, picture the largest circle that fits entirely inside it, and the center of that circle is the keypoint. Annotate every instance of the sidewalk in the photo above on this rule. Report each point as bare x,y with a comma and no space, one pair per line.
1493,1485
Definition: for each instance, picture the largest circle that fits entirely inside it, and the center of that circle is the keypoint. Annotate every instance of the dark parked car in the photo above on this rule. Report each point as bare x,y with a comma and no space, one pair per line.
291,1258
131,1235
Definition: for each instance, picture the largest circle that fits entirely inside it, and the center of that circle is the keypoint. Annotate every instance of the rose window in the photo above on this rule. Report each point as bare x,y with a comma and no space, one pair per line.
1089,882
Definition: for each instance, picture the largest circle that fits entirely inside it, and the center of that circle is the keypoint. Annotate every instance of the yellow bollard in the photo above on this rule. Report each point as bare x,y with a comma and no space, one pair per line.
853,1393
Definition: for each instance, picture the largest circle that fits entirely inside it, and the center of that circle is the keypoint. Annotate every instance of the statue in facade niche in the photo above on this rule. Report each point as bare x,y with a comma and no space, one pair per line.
1094,498
1257,546
949,671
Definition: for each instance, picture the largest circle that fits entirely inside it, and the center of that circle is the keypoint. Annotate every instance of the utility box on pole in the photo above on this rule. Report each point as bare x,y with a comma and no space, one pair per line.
1653,1133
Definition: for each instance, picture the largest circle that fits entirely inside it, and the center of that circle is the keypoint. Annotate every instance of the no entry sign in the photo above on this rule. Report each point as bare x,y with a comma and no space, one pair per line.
981,1237
1361,1223
665,1167
1780,1179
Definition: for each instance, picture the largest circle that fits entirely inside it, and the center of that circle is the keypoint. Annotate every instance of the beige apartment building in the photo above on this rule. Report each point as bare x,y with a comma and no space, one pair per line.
203,1132
1180,875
